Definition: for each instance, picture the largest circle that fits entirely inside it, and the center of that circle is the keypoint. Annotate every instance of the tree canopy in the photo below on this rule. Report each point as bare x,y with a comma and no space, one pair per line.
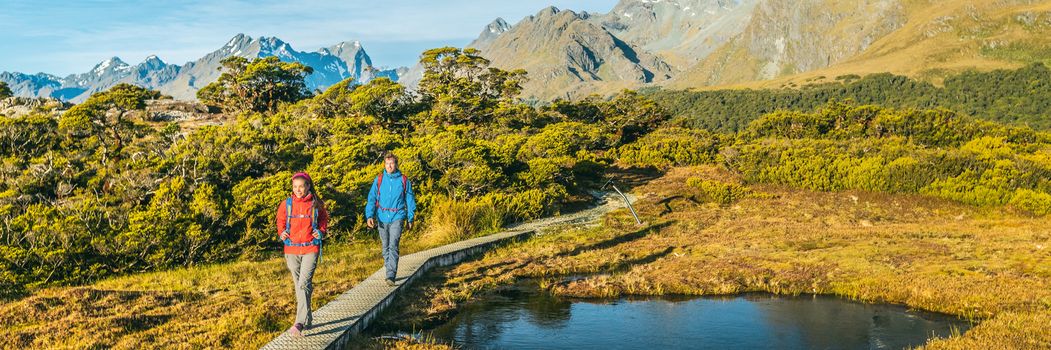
1016,97
463,88
5,91
259,85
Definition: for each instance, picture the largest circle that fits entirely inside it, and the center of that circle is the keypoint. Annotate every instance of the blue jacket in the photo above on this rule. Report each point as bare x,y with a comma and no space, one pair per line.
391,198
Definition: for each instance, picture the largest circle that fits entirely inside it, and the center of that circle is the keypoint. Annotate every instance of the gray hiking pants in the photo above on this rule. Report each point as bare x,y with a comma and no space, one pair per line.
390,236
302,268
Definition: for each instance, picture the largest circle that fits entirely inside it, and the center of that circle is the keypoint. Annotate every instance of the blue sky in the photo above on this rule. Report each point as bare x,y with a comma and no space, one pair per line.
64,37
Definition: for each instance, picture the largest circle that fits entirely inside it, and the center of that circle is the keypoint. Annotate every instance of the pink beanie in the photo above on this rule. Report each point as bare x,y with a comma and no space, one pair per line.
302,175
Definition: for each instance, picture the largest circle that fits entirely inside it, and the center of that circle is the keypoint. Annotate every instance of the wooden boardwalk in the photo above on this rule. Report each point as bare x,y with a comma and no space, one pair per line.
353,311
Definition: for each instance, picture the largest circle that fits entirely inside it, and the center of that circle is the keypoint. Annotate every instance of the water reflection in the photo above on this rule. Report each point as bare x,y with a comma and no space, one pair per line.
527,319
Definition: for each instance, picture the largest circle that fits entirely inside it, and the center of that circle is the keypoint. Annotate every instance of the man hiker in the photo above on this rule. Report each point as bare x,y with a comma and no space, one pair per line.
390,208
302,222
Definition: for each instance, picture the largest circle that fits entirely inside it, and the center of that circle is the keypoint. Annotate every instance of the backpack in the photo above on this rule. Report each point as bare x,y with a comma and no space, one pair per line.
379,185
313,224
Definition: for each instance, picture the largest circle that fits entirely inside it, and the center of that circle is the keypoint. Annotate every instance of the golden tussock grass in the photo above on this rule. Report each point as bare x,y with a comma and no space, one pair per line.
988,264
236,305
453,221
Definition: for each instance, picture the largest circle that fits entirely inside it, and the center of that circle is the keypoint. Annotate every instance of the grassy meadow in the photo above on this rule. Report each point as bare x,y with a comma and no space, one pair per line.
989,265
243,304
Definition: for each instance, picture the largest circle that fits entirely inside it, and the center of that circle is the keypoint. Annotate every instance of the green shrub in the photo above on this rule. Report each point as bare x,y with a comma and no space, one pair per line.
717,191
667,147
1037,203
1018,97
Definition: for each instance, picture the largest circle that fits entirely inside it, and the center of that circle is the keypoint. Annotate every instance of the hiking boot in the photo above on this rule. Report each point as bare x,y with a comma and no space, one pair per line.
390,282
296,330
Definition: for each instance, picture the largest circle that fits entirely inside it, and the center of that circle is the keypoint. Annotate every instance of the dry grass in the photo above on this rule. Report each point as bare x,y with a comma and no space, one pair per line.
930,254
400,342
237,305
453,221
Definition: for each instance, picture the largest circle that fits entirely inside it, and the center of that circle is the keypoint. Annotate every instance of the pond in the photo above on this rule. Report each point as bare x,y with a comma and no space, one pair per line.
524,318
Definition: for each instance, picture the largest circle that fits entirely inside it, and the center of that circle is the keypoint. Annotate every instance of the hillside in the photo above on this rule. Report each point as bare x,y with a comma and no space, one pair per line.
565,52
765,43
923,252
785,37
681,32
937,39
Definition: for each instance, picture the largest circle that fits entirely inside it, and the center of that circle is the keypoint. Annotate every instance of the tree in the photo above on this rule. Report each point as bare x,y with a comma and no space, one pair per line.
384,100
628,115
257,86
462,86
27,136
5,91
381,100
105,116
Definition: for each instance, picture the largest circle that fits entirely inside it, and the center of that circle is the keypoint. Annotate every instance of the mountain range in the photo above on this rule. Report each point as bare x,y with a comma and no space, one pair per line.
679,44
331,65
761,43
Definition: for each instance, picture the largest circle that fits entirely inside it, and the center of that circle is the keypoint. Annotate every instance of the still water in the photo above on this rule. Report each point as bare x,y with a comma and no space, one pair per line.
526,319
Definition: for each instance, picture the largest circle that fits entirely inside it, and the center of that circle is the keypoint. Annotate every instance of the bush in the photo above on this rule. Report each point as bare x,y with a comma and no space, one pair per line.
1037,203
667,147
531,203
933,152
717,191
1018,97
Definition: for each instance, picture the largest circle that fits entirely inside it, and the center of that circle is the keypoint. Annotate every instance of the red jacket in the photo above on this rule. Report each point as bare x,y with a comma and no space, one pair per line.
302,227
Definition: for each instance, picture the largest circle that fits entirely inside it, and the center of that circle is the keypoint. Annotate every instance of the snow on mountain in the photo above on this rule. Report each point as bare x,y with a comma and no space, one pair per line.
331,65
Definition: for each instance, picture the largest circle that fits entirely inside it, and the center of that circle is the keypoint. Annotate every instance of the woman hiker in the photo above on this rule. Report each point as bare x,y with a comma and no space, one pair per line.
302,222
391,207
